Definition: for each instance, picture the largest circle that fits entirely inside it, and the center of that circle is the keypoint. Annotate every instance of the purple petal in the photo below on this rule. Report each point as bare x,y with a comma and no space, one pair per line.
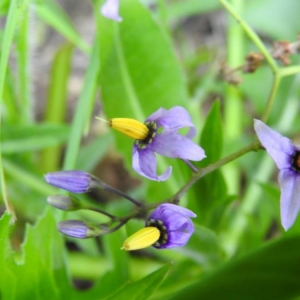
172,144
173,208
289,182
153,117
173,119
279,147
144,163
178,239
110,9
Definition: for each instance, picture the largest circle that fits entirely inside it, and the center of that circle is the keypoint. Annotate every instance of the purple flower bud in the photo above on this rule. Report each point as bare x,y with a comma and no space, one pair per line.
72,181
74,228
174,224
82,230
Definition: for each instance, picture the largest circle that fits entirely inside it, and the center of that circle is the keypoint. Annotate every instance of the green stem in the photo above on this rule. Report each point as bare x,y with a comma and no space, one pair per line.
233,100
212,167
252,35
175,199
292,70
275,86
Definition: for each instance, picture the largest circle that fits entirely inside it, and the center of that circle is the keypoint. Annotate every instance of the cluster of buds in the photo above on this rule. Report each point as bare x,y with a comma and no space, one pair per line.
168,226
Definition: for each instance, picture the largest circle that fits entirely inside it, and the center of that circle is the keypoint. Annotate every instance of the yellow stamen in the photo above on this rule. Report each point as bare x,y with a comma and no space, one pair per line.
142,239
130,127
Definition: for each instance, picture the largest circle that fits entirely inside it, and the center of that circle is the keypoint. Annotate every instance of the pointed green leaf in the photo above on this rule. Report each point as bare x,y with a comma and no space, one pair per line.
211,188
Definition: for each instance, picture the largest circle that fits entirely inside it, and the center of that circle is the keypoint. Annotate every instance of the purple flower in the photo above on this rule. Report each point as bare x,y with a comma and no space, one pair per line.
110,9
287,158
72,181
167,142
174,224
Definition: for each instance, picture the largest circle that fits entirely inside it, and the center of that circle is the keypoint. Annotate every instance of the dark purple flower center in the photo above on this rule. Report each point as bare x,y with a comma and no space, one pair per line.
163,238
152,132
296,161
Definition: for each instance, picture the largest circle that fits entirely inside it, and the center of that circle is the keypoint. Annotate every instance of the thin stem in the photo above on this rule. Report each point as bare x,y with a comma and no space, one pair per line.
103,212
292,70
212,167
252,35
189,164
275,86
109,188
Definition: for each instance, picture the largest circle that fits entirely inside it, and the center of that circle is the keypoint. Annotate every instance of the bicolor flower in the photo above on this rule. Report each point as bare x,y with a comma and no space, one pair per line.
72,181
110,10
168,226
159,134
286,155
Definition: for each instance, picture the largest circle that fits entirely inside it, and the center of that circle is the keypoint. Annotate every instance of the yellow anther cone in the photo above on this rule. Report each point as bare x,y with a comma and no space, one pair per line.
130,127
142,239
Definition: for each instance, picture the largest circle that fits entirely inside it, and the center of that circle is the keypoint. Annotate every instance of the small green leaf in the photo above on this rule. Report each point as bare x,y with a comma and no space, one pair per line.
211,189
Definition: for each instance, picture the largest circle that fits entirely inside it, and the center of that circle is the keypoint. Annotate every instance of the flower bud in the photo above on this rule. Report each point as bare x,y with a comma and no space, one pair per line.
80,229
72,181
62,202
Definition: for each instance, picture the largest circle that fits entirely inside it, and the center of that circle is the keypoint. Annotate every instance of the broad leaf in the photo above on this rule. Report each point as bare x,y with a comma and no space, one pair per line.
271,272
140,74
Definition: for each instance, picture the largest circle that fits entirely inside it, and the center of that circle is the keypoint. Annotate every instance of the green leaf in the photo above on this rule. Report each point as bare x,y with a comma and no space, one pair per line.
7,264
92,153
271,272
21,138
43,261
57,101
39,272
262,13
211,189
50,12
204,248
84,107
140,74
183,9
143,288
